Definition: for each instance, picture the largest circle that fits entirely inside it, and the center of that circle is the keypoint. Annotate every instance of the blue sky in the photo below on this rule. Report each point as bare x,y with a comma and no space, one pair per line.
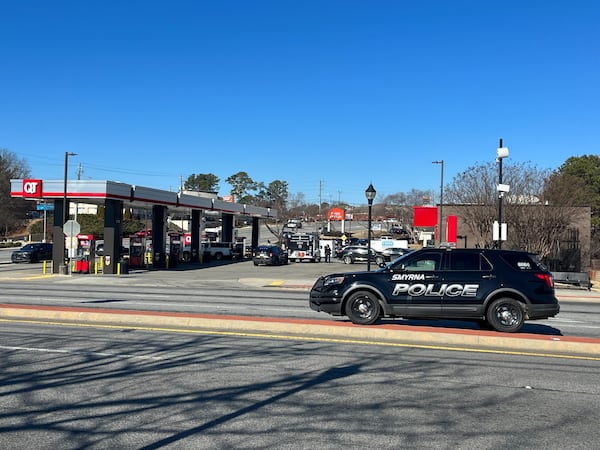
342,92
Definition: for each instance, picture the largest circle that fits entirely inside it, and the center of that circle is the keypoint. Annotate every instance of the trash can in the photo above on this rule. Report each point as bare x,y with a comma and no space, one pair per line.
124,266
172,261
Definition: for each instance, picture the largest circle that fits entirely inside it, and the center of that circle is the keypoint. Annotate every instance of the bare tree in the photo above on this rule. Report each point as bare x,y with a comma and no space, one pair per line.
475,190
537,210
400,205
12,210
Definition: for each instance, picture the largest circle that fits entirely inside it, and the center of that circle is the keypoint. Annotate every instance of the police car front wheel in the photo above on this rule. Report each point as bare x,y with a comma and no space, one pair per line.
506,314
362,308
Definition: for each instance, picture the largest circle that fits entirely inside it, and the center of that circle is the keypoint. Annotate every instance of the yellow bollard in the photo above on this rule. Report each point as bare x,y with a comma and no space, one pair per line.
119,268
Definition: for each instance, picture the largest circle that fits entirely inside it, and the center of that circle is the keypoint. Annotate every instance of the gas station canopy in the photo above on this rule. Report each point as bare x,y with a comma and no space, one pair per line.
132,196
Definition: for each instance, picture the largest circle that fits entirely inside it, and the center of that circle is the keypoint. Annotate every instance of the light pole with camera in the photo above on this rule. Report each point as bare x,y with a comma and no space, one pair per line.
499,229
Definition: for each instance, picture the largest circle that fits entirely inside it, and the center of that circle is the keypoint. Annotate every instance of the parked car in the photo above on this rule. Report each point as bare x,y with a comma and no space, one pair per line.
394,252
100,250
31,253
269,255
358,253
496,288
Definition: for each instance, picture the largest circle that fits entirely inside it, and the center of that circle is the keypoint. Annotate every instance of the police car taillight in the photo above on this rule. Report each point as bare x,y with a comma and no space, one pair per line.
546,278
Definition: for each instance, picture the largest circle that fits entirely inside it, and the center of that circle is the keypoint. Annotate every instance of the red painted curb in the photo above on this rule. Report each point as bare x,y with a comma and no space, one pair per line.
330,323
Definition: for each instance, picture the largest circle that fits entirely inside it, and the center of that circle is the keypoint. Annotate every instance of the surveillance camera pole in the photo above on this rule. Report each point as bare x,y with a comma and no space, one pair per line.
500,195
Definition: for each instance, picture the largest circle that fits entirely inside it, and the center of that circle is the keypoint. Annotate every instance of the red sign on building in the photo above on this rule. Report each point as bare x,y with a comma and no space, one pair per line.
32,188
451,229
425,216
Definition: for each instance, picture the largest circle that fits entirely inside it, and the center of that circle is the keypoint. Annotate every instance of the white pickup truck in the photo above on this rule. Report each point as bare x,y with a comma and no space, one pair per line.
217,250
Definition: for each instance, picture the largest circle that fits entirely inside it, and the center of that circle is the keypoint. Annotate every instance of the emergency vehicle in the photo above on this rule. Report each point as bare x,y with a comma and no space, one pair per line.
302,246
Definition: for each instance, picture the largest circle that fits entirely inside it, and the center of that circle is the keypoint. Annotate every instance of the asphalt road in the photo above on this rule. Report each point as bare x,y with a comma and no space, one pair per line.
100,388
113,385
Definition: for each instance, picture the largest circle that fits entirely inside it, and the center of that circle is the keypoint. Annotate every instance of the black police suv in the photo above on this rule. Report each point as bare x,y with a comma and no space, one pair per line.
497,288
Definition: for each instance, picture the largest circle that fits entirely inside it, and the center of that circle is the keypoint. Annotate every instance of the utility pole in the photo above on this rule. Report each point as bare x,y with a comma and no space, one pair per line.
441,216
320,201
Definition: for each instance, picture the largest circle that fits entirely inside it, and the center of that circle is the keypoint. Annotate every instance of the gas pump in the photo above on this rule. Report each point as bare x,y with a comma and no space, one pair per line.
86,250
136,251
140,249
175,248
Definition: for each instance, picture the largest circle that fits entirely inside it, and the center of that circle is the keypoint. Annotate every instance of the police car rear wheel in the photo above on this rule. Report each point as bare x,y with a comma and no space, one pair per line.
506,314
363,308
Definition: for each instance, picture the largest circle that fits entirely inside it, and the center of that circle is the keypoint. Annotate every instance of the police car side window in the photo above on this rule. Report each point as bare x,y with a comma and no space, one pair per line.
520,261
465,261
424,263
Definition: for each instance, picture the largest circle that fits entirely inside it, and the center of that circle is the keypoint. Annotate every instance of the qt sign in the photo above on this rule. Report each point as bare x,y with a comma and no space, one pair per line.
32,188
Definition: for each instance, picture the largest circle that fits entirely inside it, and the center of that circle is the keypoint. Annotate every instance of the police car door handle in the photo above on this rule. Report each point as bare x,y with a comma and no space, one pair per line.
489,277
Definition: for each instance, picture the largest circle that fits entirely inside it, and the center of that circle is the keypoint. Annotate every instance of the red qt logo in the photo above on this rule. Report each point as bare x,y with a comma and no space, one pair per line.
32,188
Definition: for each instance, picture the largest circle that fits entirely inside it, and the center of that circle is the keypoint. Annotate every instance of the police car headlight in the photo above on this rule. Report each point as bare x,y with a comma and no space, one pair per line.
332,281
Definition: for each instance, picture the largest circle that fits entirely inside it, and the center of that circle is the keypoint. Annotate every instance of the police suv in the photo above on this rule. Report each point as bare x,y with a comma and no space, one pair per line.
497,288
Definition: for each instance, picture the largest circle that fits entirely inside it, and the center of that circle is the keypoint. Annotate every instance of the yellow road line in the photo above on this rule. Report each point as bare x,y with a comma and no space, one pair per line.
304,338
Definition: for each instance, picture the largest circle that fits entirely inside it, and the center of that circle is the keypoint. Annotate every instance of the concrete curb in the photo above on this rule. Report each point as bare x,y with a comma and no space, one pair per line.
475,340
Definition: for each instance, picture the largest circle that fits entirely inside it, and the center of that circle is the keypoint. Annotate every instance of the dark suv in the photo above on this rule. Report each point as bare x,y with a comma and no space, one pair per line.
31,253
497,288
269,255
358,253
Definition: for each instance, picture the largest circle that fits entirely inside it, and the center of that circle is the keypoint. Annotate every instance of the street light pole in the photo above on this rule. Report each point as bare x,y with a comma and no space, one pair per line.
370,194
65,208
441,217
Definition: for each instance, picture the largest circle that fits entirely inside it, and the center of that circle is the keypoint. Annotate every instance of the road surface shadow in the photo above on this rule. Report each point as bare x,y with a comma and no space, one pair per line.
528,328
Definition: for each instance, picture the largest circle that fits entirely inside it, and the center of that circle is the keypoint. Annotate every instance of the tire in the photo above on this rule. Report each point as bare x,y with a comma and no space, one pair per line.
362,308
506,315
379,260
218,256
348,260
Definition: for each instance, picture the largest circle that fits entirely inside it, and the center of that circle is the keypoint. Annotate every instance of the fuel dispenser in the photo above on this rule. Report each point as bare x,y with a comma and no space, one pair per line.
86,250
175,248
140,249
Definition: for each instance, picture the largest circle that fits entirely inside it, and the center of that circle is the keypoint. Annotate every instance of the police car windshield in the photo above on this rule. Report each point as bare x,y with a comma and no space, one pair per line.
394,263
